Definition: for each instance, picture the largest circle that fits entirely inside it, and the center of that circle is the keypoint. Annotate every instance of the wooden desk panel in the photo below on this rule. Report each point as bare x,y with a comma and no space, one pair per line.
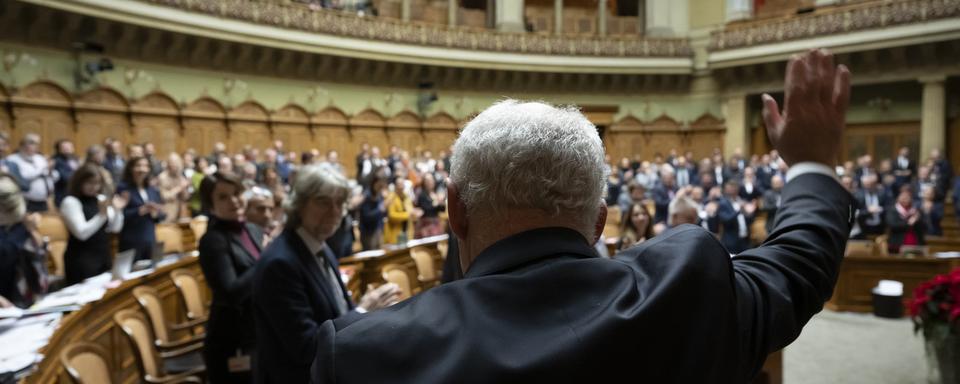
94,323
859,275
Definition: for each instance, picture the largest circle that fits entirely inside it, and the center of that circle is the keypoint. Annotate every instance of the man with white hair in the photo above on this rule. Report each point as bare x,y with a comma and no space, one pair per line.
537,304
34,172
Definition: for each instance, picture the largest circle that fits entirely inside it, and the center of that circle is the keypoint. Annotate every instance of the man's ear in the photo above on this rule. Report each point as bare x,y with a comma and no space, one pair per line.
456,211
601,222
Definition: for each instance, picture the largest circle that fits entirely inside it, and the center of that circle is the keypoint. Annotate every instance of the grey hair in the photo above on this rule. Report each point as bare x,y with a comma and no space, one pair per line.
680,206
530,155
12,206
257,192
313,181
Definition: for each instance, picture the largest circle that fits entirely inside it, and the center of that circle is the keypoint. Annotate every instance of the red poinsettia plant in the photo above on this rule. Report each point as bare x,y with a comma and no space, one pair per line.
936,303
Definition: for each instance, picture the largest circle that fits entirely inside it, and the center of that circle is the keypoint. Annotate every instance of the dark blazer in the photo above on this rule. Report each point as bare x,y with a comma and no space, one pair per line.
883,198
661,200
770,199
228,268
899,228
756,193
65,166
292,297
542,306
933,218
139,231
731,227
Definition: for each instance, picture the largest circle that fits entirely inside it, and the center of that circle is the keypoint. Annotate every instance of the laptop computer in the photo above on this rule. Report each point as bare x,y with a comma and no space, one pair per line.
157,254
122,264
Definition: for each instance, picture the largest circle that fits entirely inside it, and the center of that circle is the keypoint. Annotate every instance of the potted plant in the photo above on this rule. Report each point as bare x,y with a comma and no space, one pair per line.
935,310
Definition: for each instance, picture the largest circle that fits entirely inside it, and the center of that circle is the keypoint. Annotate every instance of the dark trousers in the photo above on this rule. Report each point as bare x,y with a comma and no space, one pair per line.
79,266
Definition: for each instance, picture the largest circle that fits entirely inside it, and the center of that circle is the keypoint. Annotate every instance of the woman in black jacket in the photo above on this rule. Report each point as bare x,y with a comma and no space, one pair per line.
228,252
143,211
906,223
89,216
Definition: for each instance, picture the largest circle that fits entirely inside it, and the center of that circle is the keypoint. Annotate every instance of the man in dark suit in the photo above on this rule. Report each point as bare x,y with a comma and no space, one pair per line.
735,215
872,201
537,304
903,168
297,283
750,190
663,193
772,199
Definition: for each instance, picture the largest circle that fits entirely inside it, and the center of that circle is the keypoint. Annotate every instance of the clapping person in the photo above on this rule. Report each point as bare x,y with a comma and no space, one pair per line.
89,217
228,252
144,210
23,253
431,202
174,187
906,222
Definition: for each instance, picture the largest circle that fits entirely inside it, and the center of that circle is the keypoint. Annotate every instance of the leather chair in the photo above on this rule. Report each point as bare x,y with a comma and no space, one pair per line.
397,274
87,363
164,331
180,366
191,294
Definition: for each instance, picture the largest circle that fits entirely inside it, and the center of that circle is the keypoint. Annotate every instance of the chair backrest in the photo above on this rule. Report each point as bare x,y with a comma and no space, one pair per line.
52,227
186,282
132,323
87,362
150,302
443,247
199,226
172,237
397,274
426,266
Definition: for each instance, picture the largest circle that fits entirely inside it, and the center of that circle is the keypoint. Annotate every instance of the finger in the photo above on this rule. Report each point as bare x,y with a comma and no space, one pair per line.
841,89
811,78
826,75
771,117
793,88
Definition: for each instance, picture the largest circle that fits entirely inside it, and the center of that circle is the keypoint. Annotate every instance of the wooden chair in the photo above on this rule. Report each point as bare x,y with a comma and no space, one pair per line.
428,274
199,226
443,247
154,368
87,362
191,294
52,227
397,274
163,331
172,237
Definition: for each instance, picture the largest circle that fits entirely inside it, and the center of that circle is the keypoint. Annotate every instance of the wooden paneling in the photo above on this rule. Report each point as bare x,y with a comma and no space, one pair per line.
881,140
6,123
248,125
101,113
439,133
859,274
291,124
42,108
630,136
204,123
404,131
156,120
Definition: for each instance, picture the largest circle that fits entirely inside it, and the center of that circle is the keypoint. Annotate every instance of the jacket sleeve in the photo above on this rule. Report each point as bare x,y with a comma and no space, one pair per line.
281,293
780,285
217,266
396,211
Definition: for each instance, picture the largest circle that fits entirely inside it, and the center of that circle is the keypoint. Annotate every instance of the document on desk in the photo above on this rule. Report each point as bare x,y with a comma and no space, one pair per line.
22,341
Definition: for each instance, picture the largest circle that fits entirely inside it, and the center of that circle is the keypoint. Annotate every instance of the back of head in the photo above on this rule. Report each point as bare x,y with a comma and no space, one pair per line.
530,156
12,206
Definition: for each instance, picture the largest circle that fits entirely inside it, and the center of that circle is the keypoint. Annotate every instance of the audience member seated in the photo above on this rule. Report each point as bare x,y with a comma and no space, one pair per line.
907,223
64,164
35,173
228,252
538,305
735,216
636,226
431,202
143,211
23,254
872,201
89,216
772,198
297,284
174,189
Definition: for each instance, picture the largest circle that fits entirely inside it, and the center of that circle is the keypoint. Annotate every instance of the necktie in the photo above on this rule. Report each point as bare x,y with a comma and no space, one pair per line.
329,274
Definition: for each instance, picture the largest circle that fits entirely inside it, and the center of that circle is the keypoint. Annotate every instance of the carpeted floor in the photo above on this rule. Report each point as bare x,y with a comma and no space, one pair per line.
852,348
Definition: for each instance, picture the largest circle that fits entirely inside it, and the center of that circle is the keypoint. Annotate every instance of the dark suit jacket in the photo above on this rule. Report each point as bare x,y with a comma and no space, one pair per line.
770,198
139,231
933,218
756,193
661,200
542,306
228,268
899,228
65,166
731,226
292,298
862,215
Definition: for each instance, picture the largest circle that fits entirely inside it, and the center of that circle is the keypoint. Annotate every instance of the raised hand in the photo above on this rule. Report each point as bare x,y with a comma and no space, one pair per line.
811,124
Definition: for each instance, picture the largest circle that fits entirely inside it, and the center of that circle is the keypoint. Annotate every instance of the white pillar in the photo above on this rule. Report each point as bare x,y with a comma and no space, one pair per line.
738,133
557,17
641,17
510,16
739,10
933,132
405,10
602,17
452,8
657,13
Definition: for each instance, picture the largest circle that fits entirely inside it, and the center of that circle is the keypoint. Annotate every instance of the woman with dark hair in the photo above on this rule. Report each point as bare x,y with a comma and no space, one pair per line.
228,252
636,226
906,223
65,163
273,183
144,210
88,216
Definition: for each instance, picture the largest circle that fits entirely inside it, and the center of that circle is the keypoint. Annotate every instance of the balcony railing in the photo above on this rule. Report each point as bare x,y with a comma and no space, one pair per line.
834,20
338,23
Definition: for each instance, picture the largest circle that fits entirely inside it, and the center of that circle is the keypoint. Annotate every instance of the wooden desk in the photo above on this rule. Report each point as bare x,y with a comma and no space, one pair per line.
860,274
366,266
94,323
